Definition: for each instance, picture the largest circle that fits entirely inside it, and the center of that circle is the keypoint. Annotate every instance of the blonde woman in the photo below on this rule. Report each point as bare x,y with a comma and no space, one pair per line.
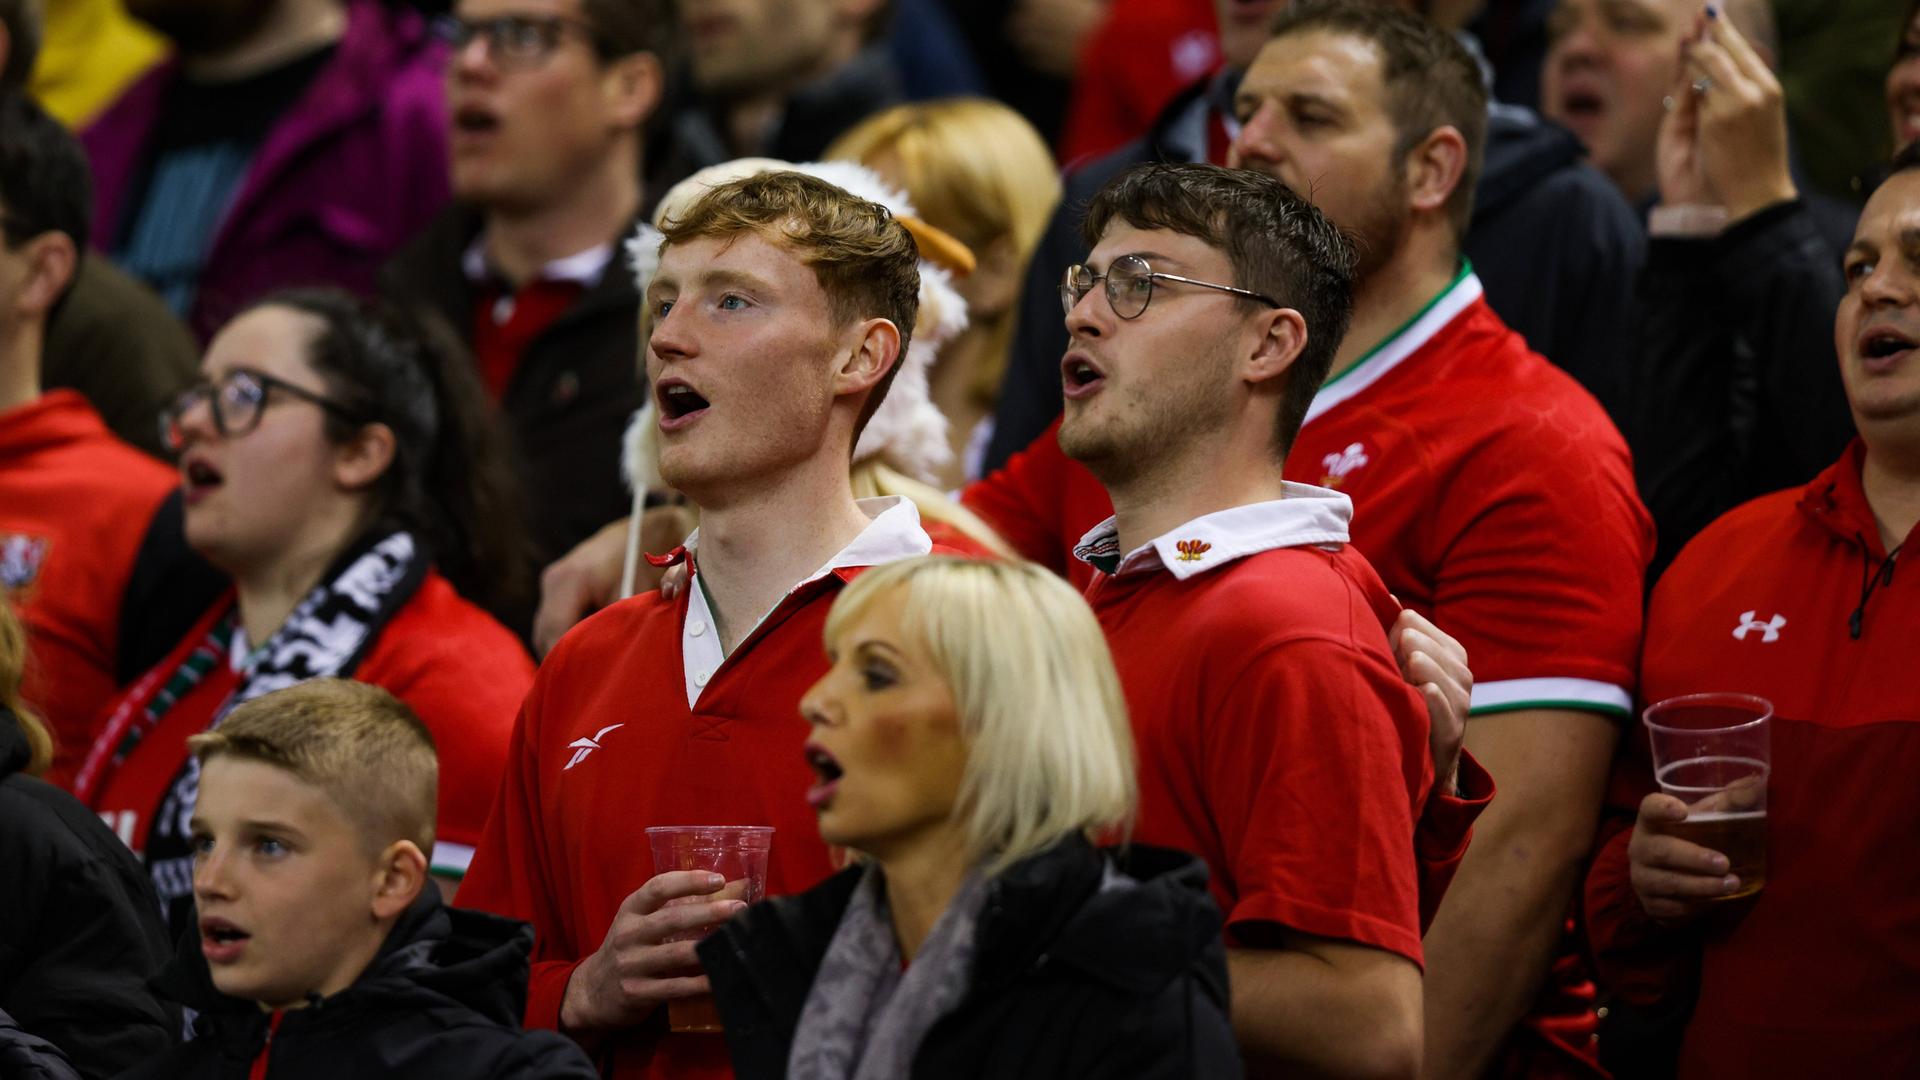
977,170
972,761
80,929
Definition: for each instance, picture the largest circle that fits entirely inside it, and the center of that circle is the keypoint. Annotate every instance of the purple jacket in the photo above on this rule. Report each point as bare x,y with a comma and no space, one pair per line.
346,177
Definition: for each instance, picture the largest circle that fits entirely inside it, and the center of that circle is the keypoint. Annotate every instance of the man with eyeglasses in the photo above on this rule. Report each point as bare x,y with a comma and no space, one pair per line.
1275,735
73,498
288,143
547,101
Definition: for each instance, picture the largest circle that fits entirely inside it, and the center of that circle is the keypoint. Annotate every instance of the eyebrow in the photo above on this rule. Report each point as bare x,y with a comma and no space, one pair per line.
874,645
714,278
1153,259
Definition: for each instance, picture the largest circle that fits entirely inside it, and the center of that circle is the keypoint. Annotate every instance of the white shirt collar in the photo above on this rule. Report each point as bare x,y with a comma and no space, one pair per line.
1303,515
581,268
893,533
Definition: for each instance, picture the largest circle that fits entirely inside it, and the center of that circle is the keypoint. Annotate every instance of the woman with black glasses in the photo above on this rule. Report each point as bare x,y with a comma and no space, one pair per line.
338,465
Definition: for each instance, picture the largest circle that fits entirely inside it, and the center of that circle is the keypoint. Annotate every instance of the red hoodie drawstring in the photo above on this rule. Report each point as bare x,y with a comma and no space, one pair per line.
259,1070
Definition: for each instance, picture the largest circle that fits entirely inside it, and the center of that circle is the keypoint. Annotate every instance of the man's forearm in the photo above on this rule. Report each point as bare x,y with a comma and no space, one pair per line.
1490,948
1296,1014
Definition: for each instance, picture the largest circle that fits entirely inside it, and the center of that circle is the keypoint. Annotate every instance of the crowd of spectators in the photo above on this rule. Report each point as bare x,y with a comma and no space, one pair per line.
1172,511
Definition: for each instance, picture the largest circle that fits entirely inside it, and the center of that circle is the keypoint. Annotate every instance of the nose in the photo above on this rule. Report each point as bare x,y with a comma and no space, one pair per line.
1891,284
815,704
474,60
210,878
195,423
1090,314
1578,45
1259,145
670,336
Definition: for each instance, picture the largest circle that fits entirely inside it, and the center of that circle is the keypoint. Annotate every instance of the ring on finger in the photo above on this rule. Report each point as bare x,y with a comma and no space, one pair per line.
1703,84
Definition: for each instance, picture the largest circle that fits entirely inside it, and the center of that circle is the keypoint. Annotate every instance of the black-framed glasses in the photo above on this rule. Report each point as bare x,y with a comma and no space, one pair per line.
515,41
1129,282
237,402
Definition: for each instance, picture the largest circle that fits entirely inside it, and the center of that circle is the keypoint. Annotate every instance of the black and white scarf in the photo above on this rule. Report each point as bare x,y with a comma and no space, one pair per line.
328,635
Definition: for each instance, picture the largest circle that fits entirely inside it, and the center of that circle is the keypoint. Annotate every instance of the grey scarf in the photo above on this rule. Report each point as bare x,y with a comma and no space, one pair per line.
864,1018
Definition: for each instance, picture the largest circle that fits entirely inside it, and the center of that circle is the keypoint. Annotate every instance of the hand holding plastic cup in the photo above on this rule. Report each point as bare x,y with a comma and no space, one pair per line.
737,853
1713,752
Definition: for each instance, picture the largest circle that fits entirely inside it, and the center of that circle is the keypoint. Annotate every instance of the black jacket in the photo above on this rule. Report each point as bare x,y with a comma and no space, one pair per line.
443,998
1554,244
1068,980
810,118
568,402
1739,391
80,930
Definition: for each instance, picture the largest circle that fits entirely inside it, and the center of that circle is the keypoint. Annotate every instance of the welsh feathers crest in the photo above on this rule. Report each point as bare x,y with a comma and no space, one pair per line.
1340,464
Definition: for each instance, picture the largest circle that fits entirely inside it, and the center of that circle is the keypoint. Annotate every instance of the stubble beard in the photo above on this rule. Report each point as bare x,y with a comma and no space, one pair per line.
1151,430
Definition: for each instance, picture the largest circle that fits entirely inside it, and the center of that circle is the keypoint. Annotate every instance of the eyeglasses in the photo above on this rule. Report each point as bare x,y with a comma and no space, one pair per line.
237,402
514,41
1129,283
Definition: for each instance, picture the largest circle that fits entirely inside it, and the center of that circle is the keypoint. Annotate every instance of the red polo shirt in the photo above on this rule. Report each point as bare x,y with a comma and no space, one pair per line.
1275,736
629,725
74,504
1818,974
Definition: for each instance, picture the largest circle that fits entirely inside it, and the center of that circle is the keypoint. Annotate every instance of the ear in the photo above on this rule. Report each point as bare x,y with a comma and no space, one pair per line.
872,355
52,261
1283,337
634,86
400,875
1435,168
365,457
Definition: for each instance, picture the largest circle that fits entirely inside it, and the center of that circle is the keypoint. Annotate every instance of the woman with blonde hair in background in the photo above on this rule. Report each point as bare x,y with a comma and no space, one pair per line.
80,929
977,170
972,761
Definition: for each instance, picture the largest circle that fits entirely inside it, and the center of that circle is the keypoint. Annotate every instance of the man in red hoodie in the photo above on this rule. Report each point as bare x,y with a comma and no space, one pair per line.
74,499
774,325
1794,597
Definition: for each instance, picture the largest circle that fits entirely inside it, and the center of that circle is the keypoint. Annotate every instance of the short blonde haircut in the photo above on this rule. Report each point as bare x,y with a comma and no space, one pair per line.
974,168
361,745
1049,752
13,669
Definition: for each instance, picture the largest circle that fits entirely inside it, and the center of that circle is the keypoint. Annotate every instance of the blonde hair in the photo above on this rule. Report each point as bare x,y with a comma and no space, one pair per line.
1049,752
361,745
13,669
873,478
974,168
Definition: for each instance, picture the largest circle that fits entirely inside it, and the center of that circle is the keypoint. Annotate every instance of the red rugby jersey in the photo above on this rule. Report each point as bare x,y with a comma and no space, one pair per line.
608,744
1274,734
1819,974
74,504
1492,494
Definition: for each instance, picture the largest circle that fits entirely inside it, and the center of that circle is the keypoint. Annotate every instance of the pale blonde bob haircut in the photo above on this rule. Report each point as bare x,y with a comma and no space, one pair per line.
358,743
1049,752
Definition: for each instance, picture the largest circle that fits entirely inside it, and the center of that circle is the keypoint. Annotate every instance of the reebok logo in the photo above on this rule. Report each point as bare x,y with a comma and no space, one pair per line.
1340,464
582,747
1769,630
20,559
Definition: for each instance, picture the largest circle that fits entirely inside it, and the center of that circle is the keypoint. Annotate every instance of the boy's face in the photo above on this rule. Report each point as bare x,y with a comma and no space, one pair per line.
284,888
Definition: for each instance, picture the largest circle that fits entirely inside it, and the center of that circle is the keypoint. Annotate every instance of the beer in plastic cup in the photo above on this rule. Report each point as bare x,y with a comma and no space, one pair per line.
1713,752
735,852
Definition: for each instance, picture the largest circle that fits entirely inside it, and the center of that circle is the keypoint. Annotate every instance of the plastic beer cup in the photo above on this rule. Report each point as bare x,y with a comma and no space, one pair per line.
735,852
1713,752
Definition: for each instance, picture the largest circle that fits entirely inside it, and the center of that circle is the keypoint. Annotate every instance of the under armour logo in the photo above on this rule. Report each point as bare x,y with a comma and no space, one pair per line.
1340,464
582,747
1193,550
1770,630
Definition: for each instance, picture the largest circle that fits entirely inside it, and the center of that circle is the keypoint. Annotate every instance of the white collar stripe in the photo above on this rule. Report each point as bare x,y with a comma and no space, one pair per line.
1400,345
1582,695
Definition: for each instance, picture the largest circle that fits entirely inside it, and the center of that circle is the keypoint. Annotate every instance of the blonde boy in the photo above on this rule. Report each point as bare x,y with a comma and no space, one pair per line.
321,949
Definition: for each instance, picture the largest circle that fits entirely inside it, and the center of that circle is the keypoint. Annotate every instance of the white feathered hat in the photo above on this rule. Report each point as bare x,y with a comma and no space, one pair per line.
907,431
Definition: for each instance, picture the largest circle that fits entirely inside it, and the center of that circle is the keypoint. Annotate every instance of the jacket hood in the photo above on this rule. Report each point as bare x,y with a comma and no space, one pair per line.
1837,501
434,957
1522,149
1146,920
14,751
